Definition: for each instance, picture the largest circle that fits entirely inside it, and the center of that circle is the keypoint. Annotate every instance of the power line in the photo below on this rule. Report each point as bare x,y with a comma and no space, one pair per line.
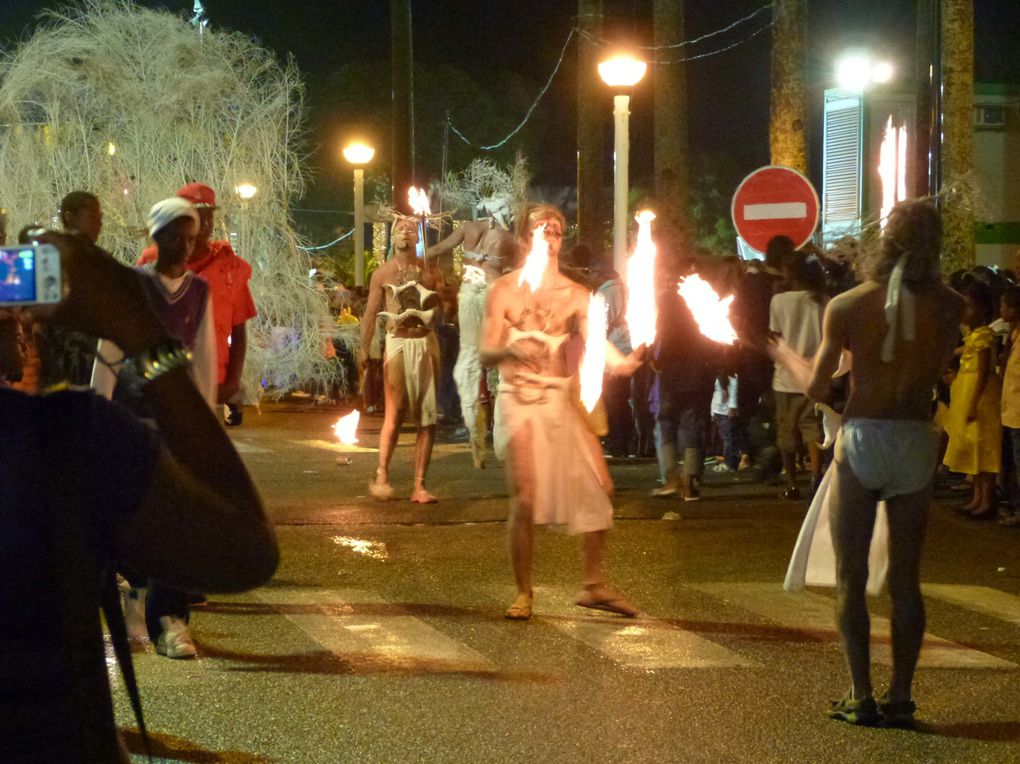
750,37
325,246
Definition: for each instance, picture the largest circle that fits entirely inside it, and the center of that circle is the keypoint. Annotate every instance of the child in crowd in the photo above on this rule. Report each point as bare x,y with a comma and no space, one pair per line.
1009,306
973,423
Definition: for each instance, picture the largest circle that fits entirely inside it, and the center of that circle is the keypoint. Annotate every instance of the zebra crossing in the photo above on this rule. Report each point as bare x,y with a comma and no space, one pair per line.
361,626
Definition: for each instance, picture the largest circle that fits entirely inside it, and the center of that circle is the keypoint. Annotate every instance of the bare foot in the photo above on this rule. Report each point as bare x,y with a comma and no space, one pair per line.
603,597
520,610
421,496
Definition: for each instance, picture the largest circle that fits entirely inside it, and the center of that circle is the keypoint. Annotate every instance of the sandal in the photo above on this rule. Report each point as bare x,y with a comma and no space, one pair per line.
898,713
601,597
520,610
863,713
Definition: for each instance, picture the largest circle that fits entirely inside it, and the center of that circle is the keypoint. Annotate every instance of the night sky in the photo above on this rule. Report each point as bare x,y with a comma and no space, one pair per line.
508,49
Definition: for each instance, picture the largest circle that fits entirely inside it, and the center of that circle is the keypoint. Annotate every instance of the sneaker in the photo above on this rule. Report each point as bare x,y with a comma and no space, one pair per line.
235,415
134,614
724,467
175,641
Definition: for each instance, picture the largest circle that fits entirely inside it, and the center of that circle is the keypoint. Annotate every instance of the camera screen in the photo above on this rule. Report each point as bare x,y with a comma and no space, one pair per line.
17,274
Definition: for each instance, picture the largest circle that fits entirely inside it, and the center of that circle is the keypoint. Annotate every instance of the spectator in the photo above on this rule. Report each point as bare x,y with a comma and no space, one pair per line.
1010,311
83,485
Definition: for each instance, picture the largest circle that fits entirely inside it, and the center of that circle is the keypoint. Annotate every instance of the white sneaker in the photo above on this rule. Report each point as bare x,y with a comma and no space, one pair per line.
175,641
134,614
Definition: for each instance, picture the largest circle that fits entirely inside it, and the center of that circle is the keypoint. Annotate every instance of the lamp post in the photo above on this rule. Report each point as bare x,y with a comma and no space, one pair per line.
359,154
621,72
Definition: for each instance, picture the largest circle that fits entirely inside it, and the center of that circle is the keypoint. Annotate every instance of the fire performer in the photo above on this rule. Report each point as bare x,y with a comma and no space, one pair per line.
411,355
555,468
489,250
900,328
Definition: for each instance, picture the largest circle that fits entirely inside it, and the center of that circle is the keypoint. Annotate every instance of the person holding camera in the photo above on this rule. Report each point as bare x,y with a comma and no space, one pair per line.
85,486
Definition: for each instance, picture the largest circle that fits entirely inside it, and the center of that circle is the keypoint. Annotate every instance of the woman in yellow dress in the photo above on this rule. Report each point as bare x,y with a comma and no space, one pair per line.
973,424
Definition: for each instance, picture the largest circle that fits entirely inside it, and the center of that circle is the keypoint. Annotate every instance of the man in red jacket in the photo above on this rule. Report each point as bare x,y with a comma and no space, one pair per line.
227,275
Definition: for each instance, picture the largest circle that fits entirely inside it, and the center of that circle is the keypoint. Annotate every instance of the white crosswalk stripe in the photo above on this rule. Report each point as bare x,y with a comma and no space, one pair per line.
811,612
359,625
643,643
247,448
980,599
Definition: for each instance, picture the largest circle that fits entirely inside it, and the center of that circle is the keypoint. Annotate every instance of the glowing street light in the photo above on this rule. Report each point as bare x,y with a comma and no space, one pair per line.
621,72
359,154
856,71
246,191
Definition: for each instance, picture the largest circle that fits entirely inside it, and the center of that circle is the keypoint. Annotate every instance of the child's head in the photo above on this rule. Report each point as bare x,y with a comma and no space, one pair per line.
979,307
1009,305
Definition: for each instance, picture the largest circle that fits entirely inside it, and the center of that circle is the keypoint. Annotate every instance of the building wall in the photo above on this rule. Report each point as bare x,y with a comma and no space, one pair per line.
997,170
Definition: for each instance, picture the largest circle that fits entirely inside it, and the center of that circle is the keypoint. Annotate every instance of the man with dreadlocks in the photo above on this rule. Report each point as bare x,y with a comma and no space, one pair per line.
400,291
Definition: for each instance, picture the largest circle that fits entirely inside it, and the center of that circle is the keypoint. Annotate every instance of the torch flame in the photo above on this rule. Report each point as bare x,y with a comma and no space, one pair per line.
642,315
418,198
711,313
593,365
537,260
346,428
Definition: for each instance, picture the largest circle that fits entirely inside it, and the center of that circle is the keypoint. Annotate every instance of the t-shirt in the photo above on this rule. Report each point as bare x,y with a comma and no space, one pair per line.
1011,385
66,456
227,276
797,317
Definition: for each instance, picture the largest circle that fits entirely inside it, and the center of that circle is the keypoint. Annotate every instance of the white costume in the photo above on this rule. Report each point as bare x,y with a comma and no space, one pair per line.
419,353
568,487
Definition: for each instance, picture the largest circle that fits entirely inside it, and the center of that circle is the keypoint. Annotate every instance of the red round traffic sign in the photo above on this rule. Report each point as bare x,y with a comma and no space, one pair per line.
775,201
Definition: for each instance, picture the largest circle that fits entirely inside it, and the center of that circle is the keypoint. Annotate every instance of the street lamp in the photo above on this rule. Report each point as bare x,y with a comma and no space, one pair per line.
359,154
621,72
856,71
245,192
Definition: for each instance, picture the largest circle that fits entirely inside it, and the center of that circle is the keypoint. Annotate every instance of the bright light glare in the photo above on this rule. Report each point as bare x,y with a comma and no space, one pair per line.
246,190
358,153
622,71
111,148
853,72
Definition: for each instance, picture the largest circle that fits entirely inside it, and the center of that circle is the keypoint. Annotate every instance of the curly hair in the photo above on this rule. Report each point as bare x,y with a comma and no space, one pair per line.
914,228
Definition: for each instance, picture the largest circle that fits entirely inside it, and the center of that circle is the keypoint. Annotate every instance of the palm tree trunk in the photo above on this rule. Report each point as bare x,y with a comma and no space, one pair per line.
591,114
788,124
671,144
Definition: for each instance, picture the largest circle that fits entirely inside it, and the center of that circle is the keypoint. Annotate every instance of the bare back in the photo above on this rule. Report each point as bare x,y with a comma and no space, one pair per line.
902,388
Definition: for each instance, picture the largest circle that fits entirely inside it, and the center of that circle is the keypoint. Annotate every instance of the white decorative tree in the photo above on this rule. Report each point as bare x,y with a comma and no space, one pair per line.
130,104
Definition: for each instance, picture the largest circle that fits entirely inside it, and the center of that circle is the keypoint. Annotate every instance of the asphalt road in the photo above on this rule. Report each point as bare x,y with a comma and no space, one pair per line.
381,638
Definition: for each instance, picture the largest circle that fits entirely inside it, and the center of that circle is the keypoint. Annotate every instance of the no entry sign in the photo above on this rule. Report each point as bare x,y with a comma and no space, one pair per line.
775,201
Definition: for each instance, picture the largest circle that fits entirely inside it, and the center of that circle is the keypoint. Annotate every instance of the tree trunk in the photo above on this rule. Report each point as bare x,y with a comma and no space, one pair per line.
957,130
401,171
788,124
591,112
671,145
926,77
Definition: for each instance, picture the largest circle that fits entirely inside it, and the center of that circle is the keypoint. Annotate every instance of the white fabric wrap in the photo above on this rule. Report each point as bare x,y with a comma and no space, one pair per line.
895,296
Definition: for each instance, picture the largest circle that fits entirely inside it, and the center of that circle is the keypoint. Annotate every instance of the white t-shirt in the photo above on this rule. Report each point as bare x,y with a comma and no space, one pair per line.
797,318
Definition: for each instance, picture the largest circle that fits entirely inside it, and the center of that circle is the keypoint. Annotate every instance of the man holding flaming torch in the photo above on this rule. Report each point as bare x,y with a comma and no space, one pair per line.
555,468
411,356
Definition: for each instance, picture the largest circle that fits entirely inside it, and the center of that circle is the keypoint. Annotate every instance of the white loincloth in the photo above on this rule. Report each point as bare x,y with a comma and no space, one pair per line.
468,371
419,374
561,459
892,457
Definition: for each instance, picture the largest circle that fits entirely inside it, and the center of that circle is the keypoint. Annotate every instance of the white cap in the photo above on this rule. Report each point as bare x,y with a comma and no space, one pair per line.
167,211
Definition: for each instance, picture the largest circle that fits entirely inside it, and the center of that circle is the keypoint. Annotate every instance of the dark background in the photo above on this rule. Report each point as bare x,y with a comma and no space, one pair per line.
485,62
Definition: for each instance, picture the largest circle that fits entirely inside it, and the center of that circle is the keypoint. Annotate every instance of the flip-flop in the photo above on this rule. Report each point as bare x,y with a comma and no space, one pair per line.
610,603
863,712
520,610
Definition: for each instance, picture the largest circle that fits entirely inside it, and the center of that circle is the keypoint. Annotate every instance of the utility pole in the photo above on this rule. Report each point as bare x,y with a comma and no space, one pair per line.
590,129
957,130
788,123
671,142
926,76
402,163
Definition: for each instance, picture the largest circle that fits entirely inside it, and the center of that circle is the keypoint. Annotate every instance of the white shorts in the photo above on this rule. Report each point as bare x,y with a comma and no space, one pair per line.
892,456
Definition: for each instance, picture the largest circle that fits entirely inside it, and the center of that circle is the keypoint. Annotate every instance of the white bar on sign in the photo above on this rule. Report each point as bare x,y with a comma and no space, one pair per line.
782,211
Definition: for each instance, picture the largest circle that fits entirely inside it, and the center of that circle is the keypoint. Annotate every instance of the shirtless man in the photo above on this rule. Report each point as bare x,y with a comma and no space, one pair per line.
555,469
489,250
887,447
398,291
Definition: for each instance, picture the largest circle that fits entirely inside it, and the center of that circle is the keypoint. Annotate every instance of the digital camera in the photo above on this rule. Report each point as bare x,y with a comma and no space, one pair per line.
30,275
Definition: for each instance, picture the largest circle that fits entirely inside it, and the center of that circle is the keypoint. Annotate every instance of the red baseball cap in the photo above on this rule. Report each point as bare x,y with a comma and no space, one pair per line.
198,194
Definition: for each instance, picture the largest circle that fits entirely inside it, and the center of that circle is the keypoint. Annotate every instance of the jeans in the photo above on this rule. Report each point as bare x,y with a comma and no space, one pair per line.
680,425
616,395
733,438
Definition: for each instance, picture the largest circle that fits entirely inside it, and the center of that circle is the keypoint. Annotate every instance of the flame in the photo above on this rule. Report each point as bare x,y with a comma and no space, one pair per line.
593,365
346,428
892,168
537,260
418,198
711,313
642,314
